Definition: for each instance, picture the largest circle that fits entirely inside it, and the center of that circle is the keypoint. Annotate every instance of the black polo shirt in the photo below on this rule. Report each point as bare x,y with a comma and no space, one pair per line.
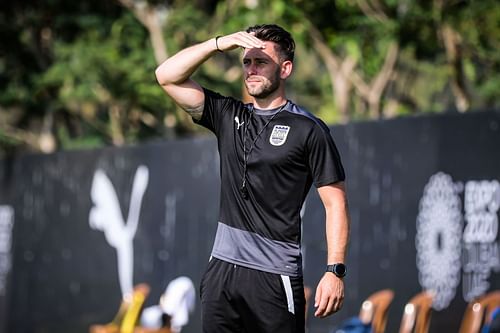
284,158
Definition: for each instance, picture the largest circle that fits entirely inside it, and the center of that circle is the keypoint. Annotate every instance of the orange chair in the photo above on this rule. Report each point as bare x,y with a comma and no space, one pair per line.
375,308
417,313
478,312
128,313
149,330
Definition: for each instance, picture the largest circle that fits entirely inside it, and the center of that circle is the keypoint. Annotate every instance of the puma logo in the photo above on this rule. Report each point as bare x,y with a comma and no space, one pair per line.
237,120
106,215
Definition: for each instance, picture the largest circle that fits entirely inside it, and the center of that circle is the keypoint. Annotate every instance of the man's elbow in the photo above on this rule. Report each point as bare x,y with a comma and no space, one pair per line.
160,77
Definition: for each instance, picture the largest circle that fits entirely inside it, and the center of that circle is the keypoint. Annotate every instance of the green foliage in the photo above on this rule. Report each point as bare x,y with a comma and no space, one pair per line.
87,67
106,68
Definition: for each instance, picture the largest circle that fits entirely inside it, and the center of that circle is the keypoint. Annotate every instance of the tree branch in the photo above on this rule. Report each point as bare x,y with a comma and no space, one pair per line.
452,44
20,135
372,10
338,72
153,19
382,79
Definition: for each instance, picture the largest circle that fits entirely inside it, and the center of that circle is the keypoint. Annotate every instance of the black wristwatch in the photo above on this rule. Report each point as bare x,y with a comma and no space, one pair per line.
338,269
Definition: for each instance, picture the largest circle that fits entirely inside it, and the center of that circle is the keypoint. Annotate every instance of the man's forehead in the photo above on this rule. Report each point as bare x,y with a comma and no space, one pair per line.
268,52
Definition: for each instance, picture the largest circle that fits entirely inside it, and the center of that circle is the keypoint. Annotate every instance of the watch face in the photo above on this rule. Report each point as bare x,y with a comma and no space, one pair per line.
339,269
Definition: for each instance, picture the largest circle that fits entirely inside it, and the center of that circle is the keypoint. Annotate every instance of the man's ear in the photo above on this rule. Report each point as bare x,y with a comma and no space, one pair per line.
286,69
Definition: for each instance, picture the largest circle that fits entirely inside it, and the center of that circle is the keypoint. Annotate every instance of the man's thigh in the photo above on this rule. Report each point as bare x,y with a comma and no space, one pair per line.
218,314
239,299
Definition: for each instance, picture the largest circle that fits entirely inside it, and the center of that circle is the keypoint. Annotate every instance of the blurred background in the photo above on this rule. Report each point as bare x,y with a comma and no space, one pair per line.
410,89
80,74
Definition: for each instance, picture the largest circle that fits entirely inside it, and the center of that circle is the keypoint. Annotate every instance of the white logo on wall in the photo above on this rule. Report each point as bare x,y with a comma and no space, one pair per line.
438,239
440,233
6,224
106,215
480,254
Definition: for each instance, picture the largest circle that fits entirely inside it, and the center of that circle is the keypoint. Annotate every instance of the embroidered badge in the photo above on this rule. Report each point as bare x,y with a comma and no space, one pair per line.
278,135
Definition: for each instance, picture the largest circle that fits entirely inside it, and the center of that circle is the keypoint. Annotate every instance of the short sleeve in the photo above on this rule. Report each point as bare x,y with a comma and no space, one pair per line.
215,107
323,157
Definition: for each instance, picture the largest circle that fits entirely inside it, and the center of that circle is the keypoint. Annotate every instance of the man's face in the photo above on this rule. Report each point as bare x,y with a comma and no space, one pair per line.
262,70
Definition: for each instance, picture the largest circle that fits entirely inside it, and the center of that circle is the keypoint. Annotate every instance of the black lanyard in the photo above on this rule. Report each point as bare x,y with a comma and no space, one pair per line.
243,188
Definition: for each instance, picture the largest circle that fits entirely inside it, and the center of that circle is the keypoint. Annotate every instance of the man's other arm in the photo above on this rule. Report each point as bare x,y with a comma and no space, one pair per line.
330,291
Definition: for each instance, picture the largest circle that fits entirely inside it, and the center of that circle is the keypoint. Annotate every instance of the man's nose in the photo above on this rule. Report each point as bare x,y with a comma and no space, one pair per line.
251,69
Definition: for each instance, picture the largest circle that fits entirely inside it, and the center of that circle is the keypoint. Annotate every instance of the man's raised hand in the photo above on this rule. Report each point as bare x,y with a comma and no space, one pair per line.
239,39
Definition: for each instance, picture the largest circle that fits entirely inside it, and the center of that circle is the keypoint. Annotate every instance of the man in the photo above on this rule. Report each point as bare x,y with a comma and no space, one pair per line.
271,151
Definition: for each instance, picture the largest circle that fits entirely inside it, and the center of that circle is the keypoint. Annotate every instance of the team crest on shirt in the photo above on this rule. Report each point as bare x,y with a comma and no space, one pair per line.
278,135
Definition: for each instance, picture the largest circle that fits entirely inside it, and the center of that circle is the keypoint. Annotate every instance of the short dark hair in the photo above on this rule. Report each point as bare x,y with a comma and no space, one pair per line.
275,33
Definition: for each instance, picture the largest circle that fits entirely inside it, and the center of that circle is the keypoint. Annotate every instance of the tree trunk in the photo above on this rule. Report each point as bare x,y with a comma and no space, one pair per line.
382,80
156,36
452,44
153,18
116,130
344,76
46,140
338,71
372,93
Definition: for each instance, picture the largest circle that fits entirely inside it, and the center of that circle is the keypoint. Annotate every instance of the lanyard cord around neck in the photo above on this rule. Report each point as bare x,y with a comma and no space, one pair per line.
243,188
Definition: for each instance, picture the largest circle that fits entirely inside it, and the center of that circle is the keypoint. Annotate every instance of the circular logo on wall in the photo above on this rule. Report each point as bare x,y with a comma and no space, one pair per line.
438,239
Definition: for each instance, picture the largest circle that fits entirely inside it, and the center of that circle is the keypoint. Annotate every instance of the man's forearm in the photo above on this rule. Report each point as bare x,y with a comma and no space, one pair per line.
337,233
337,221
174,74
330,291
180,67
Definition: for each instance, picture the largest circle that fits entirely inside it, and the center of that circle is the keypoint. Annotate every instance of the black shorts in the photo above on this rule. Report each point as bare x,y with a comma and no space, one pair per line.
239,299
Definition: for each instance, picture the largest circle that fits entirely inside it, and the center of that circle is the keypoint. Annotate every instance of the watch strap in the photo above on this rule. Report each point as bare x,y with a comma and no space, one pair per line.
338,269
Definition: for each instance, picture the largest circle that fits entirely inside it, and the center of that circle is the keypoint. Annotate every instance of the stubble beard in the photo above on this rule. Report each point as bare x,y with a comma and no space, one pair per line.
266,88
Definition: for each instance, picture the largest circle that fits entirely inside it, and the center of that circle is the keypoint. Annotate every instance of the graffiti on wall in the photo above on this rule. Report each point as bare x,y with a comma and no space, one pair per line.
452,244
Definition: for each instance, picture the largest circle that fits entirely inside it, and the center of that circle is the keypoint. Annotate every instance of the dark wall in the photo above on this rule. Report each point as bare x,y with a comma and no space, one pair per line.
64,273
